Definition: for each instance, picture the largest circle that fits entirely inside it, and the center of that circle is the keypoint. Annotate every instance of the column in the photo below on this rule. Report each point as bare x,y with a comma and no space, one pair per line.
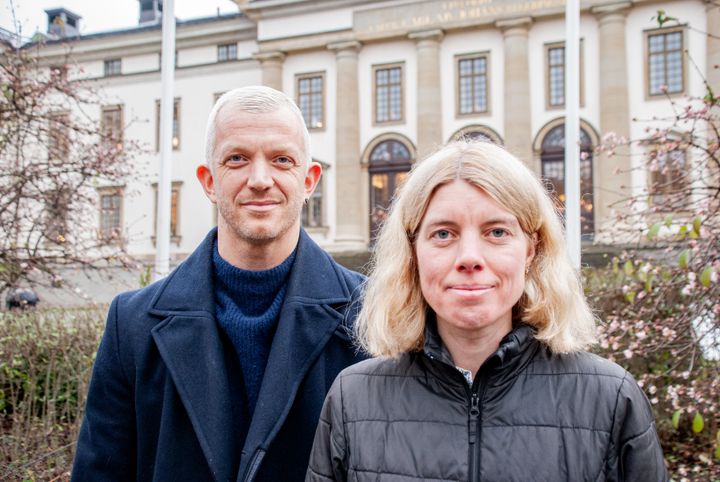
516,95
272,66
611,175
350,210
713,45
429,100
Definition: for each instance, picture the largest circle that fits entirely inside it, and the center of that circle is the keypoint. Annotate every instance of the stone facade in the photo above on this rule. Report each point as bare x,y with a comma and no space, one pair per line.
352,44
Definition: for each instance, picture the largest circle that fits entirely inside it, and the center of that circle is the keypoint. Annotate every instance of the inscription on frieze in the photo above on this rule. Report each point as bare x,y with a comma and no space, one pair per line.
445,13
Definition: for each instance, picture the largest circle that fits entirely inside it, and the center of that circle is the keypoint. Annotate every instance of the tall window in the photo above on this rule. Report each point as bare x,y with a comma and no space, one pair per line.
174,211
390,161
113,67
310,99
553,170
110,214
111,125
555,75
57,209
175,126
668,177
58,132
226,52
312,215
665,63
472,75
388,93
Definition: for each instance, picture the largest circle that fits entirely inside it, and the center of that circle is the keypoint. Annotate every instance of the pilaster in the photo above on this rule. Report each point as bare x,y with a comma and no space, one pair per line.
612,173
517,131
429,94
272,68
350,211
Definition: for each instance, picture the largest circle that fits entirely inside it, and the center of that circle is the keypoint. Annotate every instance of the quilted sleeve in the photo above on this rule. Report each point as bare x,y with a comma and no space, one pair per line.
637,454
328,461
106,444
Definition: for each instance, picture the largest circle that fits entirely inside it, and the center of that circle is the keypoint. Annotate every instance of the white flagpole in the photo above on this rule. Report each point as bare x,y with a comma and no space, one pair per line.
167,68
572,130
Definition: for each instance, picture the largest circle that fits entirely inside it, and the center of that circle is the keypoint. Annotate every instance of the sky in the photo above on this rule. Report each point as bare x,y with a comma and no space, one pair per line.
100,15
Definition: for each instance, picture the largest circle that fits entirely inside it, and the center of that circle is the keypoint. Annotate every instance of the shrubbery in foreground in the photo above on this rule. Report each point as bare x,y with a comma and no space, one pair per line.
46,358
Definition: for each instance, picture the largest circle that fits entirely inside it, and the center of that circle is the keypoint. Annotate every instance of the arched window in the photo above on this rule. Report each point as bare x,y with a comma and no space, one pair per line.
389,163
552,159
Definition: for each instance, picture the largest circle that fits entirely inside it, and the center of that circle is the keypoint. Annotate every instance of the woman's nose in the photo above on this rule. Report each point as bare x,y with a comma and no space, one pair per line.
470,254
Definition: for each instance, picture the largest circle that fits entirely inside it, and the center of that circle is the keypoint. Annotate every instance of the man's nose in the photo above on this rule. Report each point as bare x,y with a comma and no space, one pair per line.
469,254
260,177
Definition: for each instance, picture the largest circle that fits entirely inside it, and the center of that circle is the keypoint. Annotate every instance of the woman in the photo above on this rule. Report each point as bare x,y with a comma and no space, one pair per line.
479,323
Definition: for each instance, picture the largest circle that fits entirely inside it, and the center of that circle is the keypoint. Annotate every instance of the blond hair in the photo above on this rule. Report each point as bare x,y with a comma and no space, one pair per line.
254,99
392,319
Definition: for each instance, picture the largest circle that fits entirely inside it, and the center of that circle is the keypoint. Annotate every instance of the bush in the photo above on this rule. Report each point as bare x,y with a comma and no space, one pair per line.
660,321
46,357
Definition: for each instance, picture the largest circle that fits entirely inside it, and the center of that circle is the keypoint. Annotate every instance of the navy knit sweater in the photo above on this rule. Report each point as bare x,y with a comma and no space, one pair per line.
247,307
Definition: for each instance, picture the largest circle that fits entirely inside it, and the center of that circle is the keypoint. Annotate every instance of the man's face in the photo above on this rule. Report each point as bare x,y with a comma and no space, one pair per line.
260,177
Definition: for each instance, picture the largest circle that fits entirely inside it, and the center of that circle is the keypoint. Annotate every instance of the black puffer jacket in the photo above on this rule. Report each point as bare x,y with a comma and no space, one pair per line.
530,415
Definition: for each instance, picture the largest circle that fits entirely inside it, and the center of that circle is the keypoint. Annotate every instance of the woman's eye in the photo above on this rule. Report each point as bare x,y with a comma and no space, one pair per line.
498,233
442,234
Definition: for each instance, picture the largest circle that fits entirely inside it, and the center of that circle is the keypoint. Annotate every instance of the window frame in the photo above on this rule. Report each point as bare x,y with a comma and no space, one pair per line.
546,56
319,193
488,107
175,189
176,110
118,191
657,198
57,127
227,48
309,76
109,67
388,66
683,63
56,217
120,140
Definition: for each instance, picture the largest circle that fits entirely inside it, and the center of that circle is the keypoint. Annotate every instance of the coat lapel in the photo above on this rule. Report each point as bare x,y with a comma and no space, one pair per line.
306,323
191,348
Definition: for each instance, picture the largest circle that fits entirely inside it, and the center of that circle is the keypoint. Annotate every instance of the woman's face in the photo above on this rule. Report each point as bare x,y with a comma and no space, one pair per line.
471,256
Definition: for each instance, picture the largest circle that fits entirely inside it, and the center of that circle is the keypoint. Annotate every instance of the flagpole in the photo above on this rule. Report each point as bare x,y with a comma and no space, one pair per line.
167,101
572,131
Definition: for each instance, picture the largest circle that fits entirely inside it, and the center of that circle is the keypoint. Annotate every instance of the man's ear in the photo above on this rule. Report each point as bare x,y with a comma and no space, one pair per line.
312,177
205,176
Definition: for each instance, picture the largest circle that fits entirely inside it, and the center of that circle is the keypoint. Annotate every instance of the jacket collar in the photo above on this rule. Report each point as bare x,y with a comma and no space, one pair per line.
512,353
189,343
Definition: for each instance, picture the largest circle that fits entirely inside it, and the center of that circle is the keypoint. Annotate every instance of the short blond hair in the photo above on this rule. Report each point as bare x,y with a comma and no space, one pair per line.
392,319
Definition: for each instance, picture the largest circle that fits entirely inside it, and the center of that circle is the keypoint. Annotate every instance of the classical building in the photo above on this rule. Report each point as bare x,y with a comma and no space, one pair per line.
381,83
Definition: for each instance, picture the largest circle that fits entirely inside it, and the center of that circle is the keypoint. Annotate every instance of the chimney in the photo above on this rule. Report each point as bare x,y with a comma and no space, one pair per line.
150,11
62,23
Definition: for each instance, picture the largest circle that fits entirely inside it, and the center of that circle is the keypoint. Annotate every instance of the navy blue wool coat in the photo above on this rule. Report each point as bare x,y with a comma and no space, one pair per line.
160,400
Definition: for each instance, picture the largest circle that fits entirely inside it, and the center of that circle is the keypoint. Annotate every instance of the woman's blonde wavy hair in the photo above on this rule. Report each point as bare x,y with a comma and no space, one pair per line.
392,319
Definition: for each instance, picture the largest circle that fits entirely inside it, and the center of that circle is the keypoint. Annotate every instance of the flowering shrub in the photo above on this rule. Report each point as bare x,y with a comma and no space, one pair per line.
660,302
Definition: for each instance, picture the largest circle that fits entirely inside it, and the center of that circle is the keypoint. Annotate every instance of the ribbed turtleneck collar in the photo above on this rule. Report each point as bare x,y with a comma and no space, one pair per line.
252,291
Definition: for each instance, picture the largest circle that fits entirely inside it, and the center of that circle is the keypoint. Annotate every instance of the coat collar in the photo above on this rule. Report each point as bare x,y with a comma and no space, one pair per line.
189,343
189,288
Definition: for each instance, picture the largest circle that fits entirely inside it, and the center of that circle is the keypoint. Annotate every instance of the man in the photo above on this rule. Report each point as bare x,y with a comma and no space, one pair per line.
219,371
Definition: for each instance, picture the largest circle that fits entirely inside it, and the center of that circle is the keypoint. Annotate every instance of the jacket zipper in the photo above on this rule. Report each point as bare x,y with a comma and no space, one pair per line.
474,438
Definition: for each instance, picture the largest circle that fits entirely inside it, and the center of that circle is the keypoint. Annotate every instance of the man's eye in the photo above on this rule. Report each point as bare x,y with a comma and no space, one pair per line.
235,158
284,161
